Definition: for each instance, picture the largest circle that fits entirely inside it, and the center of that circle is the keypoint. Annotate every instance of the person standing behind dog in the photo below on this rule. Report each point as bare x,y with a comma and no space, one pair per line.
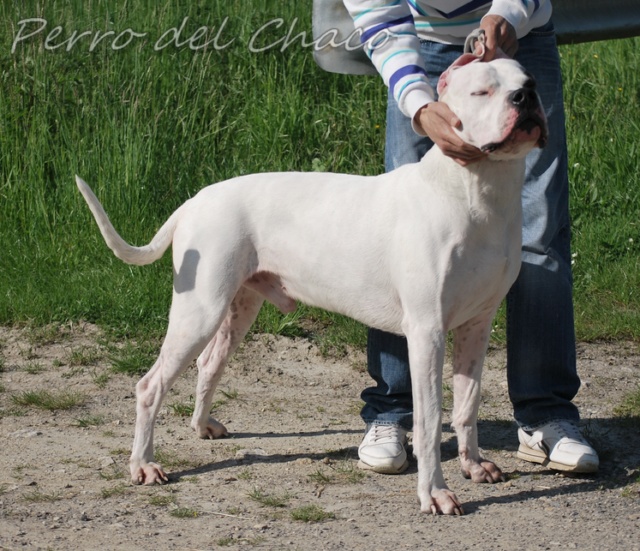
411,42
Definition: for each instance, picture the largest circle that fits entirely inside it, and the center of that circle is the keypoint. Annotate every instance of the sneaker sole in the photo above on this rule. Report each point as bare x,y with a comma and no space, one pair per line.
383,469
533,456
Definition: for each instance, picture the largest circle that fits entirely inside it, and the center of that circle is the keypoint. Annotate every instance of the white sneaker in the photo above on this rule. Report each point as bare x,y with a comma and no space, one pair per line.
382,449
560,446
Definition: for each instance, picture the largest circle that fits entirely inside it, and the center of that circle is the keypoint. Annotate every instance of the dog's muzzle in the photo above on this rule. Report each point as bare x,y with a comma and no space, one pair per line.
530,115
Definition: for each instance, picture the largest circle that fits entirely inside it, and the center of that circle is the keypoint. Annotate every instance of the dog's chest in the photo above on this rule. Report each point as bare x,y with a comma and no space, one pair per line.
480,274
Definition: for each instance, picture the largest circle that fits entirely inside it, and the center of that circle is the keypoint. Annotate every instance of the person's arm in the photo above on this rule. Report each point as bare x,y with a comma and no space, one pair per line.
508,20
391,42
523,16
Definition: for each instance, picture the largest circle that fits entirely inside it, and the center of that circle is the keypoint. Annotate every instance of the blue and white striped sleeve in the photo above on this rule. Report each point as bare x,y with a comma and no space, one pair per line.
524,15
390,40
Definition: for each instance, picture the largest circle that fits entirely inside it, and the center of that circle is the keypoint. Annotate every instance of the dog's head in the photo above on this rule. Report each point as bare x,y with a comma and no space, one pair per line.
498,106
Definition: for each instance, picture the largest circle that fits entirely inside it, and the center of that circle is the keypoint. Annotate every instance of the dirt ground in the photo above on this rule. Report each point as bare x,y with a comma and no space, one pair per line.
287,476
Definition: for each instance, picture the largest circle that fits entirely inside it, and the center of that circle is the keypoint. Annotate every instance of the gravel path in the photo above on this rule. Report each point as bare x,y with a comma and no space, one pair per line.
287,478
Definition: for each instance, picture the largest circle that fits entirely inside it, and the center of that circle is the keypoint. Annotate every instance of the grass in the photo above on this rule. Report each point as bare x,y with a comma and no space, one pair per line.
37,496
50,401
603,136
342,473
148,128
117,491
245,474
230,394
90,421
182,409
185,409
112,472
83,356
630,406
134,359
184,512
34,368
310,513
162,500
100,379
269,500
46,334
172,460
119,451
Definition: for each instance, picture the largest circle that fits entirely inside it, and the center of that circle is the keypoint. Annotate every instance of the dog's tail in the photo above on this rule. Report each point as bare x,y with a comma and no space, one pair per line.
125,252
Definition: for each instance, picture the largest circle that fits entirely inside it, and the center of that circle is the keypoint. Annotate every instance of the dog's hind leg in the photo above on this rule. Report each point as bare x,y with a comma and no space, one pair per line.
211,363
470,346
192,322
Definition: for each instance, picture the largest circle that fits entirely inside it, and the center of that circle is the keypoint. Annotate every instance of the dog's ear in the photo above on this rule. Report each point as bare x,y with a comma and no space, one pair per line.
463,60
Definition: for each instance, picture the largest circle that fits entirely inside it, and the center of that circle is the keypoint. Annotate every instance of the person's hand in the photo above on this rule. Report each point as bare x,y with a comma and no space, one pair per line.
438,122
499,34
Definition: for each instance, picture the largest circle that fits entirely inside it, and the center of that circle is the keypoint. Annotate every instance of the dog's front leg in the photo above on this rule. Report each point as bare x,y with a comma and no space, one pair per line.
426,358
470,346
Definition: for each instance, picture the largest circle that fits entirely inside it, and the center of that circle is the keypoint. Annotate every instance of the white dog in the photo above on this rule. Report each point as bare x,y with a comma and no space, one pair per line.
425,249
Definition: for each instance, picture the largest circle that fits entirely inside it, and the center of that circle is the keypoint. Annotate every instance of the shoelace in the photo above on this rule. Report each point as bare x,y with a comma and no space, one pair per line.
567,429
379,432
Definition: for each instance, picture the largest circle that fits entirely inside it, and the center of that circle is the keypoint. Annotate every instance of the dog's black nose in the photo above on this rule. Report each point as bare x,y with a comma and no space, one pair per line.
524,98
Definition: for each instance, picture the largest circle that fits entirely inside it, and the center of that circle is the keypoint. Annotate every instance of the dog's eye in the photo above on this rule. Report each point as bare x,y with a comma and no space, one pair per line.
480,93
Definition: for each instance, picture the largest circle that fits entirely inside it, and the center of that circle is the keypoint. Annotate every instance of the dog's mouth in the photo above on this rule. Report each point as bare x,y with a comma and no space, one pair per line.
529,126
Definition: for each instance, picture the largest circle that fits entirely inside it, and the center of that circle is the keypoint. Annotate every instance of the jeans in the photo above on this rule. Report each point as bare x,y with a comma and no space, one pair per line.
541,362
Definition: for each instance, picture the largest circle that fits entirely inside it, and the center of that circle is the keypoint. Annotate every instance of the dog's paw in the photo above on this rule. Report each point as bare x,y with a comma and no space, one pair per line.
441,502
147,474
212,429
482,471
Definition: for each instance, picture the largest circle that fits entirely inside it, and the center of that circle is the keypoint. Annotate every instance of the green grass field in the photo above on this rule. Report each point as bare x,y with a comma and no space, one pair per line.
148,124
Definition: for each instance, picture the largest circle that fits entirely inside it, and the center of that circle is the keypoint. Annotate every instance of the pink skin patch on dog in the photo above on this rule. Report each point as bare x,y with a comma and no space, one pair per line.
270,286
519,131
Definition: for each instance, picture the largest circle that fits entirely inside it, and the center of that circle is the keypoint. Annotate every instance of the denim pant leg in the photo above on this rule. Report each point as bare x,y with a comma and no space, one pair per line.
389,402
541,360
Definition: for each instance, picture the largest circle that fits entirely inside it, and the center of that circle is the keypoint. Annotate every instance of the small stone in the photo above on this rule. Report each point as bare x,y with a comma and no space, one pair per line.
106,462
241,454
26,433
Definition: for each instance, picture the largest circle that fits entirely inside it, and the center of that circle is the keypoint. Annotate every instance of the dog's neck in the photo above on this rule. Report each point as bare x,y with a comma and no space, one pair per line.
488,192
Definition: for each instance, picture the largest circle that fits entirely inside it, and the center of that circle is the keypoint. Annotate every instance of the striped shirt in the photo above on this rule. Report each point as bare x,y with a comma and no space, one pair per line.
392,30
